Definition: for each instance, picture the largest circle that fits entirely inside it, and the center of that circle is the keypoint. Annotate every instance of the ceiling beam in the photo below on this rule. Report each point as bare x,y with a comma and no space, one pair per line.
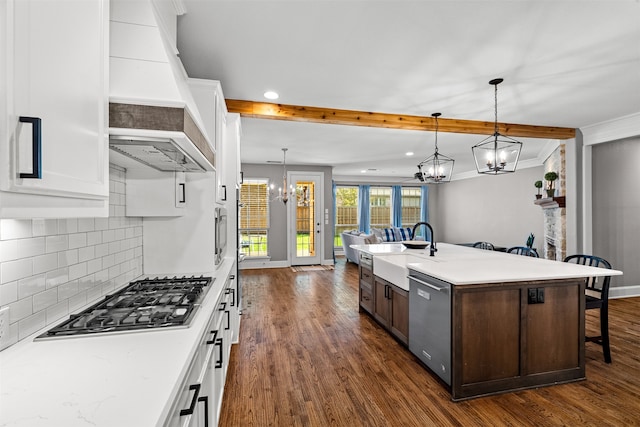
265,110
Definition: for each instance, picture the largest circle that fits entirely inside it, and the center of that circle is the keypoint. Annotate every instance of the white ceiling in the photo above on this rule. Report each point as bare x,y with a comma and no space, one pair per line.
564,63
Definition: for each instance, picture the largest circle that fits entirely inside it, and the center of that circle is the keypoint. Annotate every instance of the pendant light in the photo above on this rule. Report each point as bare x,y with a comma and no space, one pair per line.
437,168
283,194
496,154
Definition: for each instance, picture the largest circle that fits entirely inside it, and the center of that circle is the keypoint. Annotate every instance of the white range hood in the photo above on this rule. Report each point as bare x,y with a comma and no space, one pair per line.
153,119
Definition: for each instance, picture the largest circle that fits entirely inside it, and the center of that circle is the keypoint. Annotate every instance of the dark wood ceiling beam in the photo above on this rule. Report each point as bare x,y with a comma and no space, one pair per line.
264,110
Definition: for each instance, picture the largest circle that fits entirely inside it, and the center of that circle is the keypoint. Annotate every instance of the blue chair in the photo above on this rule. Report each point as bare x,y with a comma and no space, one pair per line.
597,297
523,250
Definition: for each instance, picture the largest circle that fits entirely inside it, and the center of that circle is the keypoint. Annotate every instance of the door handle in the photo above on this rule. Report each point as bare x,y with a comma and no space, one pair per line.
182,193
36,150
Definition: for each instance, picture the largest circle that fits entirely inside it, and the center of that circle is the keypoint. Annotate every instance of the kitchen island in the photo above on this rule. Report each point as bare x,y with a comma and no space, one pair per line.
487,322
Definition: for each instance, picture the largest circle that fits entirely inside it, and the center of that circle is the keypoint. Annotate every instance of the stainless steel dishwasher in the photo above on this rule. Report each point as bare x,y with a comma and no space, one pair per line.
430,322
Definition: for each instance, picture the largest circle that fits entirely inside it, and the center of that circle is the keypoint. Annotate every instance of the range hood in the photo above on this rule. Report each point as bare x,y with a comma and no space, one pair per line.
153,118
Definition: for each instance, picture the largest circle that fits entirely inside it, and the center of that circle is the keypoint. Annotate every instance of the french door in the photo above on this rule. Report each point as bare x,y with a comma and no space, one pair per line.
304,218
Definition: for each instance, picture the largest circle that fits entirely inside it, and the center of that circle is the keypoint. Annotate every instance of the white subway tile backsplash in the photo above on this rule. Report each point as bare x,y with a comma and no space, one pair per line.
8,293
31,285
67,290
31,324
30,247
67,258
50,268
8,250
20,309
57,243
15,229
77,240
77,270
57,312
45,299
94,265
86,253
86,224
15,270
45,263
44,227
77,301
94,238
57,277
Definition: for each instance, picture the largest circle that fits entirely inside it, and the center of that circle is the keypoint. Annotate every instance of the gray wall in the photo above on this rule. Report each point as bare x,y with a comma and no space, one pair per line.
277,237
616,207
498,209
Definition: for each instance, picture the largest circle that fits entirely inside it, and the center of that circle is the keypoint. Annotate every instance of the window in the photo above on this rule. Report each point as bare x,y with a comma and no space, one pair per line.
254,217
346,212
410,206
380,207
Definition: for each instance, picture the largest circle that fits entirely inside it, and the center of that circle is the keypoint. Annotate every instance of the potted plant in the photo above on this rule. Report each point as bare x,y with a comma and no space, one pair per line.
550,177
538,185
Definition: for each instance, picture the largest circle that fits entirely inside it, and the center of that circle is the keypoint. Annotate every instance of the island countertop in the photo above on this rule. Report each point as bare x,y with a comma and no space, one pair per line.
460,265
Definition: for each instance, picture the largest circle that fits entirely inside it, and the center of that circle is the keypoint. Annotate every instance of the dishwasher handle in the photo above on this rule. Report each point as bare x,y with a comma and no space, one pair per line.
434,287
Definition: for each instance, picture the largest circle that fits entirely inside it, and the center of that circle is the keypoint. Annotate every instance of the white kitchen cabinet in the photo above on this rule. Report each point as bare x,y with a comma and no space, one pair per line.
55,77
232,150
150,192
203,386
220,138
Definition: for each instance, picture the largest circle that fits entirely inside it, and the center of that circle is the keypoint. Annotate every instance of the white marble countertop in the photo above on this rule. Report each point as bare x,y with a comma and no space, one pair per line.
126,379
461,265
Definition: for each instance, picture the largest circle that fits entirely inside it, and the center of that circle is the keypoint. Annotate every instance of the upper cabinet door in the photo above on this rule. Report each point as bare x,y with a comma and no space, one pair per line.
56,100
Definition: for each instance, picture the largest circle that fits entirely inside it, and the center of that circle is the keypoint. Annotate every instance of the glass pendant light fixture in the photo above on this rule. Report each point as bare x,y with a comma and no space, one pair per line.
283,194
496,154
437,168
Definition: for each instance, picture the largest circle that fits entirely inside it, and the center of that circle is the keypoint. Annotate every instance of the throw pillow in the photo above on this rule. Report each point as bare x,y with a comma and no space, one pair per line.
402,233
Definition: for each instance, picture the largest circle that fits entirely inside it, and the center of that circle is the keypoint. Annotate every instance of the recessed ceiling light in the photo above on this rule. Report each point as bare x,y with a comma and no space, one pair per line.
363,171
271,94
409,153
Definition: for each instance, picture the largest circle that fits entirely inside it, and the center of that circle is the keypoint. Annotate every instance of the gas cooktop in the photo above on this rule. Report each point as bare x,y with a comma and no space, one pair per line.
141,305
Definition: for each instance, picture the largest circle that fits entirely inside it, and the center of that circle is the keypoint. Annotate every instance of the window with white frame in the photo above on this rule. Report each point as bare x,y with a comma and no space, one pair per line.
253,220
346,212
380,207
410,206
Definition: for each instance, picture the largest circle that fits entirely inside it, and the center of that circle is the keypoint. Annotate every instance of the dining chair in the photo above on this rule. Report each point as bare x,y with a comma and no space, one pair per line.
484,245
523,250
597,297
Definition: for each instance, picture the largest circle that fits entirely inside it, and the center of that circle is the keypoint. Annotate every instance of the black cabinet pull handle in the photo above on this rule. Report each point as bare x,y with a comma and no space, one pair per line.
205,399
233,297
223,306
183,198
192,407
213,338
228,313
36,151
224,197
219,361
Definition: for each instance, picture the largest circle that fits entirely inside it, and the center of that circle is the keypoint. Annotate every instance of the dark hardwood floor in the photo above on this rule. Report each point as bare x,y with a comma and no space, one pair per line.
307,357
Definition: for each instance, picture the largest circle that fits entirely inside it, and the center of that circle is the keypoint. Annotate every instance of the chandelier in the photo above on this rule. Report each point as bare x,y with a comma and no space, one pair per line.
437,168
283,193
496,154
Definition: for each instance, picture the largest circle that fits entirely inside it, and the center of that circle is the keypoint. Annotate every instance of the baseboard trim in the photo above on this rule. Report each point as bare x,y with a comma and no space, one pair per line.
624,291
254,264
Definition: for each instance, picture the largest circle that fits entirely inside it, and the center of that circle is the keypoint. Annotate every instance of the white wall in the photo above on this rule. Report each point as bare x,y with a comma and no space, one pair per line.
498,209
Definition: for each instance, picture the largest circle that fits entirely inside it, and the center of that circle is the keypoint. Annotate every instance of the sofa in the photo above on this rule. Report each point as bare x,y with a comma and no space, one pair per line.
355,238
378,235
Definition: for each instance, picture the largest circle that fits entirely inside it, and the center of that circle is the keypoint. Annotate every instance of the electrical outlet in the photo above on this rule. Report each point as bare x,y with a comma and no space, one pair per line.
4,328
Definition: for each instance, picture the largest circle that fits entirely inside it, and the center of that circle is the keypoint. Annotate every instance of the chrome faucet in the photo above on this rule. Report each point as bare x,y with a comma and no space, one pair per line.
432,246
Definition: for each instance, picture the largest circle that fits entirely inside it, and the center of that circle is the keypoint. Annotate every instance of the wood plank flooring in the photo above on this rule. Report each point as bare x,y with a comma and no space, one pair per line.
307,357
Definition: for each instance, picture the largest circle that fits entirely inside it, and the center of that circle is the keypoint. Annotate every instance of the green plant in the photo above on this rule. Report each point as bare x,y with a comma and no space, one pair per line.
538,184
550,176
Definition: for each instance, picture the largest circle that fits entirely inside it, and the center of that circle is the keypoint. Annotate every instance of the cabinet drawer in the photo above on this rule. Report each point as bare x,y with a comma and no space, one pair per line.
366,296
366,275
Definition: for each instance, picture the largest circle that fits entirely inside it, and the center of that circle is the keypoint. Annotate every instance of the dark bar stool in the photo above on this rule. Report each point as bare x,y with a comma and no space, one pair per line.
597,297
484,245
523,250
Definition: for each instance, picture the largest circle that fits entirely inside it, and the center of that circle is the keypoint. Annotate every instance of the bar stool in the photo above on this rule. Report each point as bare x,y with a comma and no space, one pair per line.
484,245
597,297
523,250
